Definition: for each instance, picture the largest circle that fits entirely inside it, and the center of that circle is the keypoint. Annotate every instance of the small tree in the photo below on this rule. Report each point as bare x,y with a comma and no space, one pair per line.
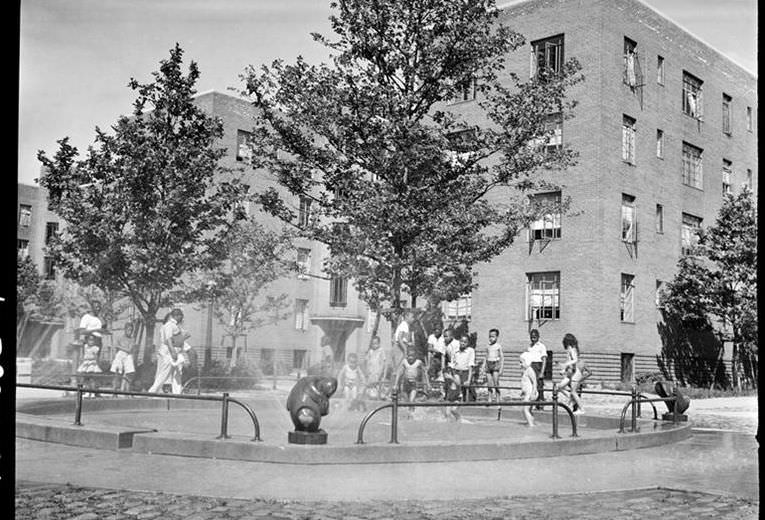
27,281
254,258
716,285
149,202
407,195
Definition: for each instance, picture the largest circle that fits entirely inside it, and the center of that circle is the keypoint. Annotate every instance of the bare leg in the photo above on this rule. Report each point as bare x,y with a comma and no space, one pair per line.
529,417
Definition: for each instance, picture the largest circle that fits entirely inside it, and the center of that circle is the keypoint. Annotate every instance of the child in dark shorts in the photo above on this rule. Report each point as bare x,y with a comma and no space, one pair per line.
452,394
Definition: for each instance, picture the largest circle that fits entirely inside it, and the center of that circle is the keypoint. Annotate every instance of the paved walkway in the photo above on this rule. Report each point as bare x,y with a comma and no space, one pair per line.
714,462
53,502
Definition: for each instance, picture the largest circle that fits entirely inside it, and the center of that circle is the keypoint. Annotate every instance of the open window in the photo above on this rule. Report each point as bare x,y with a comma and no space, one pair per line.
692,96
547,57
627,300
689,232
727,169
547,224
628,139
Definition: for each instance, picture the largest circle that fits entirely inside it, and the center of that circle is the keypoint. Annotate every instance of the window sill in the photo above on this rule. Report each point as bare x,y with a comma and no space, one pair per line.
629,163
660,157
695,118
335,304
627,322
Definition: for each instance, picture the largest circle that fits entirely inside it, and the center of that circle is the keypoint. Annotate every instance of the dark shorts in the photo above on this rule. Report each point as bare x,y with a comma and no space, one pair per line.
408,385
462,375
492,366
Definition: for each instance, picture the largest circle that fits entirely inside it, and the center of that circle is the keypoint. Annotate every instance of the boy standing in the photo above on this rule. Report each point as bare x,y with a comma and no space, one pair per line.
463,365
123,365
538,353
414,374
351,380
375,364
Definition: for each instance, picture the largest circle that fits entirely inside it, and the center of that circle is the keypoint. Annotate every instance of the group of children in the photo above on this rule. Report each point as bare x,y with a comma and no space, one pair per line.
452,367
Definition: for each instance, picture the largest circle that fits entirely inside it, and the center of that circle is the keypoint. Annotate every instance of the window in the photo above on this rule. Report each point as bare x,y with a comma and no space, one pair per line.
543,296
459,309
659,218
554,131
25,215
660,70
49,269
22,248
692,100
749,118
628,139
338,292
304,216
468,90
689,232
303,262
749,179
51,229
627,301
301,314
726,101
547,57
243,146
632,76
298,358
547,226
629,219
660,144
727,168
692,172
660,286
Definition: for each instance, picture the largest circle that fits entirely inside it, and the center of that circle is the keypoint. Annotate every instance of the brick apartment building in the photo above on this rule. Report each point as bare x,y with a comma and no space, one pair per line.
320,307
664,126
36,225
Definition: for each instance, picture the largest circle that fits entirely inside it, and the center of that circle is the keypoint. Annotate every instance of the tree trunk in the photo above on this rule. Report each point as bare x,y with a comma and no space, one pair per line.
149,322
374,329
734,366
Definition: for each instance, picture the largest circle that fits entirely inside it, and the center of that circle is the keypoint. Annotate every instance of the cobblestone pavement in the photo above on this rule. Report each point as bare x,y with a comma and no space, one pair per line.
58,502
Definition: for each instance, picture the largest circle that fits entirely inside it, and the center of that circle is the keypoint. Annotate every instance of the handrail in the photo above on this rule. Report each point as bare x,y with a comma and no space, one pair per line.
636,400
224,399
200,378
395,404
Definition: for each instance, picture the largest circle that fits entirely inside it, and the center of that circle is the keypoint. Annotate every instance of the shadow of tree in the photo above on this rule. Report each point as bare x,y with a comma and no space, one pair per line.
691,355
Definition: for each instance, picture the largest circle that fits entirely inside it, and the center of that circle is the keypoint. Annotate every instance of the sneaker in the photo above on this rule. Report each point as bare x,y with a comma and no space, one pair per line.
578,412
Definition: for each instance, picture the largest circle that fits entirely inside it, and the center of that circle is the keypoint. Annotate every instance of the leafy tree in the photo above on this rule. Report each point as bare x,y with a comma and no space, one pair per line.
716,285
407,194
27,281
142,208
254,258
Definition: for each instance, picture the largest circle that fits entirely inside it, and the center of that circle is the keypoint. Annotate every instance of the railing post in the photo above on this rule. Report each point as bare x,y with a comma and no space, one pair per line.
394,417
78,406
634,409
674,404
555,411
224,418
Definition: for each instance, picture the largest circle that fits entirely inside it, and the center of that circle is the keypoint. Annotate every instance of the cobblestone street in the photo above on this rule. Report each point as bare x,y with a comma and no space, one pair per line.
60,502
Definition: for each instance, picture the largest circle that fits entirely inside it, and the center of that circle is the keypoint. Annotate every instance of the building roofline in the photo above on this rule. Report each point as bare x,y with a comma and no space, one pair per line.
218,92
512,3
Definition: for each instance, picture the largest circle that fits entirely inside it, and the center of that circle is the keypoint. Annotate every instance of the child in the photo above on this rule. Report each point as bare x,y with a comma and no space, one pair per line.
375,366
414,374
351,380
495,361
89,363
452,393
528,386
572,370
123,365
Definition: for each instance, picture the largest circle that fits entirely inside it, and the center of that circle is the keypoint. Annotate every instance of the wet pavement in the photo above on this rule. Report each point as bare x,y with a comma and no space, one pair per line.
54,502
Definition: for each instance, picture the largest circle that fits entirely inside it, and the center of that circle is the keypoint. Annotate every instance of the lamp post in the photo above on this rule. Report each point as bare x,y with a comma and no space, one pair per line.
208,335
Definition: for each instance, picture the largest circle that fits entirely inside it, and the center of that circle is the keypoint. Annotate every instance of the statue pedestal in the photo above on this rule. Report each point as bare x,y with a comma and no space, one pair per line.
298,437
680,417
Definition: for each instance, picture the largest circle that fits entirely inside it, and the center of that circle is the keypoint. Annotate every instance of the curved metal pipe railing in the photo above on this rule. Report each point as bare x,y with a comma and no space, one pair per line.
635,401
224,399
395,404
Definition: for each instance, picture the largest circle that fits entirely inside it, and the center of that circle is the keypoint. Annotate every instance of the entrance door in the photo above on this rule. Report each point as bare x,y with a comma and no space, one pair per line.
628,368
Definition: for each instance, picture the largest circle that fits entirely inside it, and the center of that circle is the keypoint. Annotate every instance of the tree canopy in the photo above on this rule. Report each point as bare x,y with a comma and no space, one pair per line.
374,161
149,201
716,283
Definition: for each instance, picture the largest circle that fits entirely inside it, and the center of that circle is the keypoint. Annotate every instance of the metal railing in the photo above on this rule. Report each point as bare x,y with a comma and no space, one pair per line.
224,399
395,404
634,404
641,397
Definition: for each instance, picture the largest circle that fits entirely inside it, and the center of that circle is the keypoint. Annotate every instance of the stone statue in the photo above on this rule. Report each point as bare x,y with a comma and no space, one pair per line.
664,389
307,402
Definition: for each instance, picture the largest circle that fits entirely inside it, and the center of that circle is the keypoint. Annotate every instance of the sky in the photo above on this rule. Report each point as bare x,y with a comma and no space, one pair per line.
77,56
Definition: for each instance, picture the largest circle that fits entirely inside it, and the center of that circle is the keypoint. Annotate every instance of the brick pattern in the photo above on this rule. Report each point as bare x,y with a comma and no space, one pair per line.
54,502
590,255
